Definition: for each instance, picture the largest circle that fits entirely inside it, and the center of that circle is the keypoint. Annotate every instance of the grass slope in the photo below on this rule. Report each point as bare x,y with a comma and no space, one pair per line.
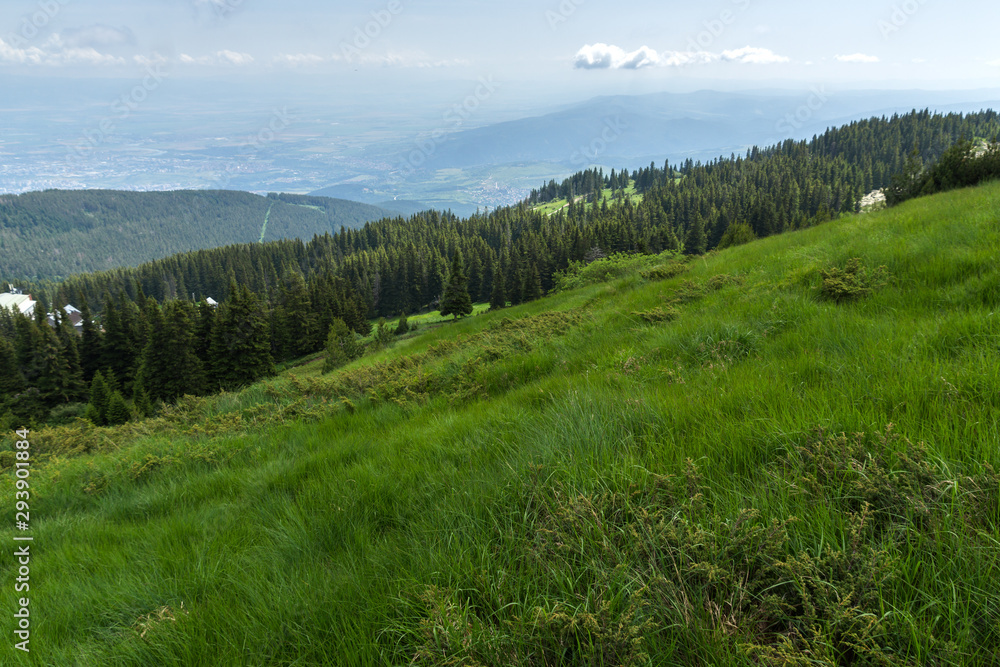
646,471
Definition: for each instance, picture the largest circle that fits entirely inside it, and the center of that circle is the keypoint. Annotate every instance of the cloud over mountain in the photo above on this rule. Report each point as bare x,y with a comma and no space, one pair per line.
607,56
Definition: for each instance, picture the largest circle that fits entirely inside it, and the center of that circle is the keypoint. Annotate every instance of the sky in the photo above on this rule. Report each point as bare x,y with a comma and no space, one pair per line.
560,46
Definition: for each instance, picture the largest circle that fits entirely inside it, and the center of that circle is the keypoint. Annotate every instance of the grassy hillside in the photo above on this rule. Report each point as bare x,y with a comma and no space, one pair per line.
53,234
556,205
645,470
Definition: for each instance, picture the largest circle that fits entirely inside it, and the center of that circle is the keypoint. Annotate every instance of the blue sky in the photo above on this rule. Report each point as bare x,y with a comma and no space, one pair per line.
589,45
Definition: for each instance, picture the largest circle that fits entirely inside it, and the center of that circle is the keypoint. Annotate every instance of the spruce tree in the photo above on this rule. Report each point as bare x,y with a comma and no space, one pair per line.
11,380
498,297
241,341
170,367
341,346
456,300
696,241
91,342
97,409
118,411
402,326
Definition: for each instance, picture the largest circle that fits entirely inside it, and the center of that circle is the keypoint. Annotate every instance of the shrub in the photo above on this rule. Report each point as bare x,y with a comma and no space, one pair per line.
852,282
737,234
67,414
658,315
665,271
341,346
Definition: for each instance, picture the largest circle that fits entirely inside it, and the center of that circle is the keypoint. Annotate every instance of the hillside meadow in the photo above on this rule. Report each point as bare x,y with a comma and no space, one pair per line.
784,453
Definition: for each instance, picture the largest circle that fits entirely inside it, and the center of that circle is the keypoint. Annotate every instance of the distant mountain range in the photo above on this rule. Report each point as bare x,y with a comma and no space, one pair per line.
56,233
633,130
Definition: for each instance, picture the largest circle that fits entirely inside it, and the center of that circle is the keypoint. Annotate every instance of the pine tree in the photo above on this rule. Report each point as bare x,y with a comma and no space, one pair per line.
498,297
11,380
696,241
456,300
341,346
170,367
91,342
402,326
532,289
118,411
97,409
241,341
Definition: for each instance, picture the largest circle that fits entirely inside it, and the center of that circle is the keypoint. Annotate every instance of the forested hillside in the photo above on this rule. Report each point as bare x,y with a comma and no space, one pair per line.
57,233
515,254
778,455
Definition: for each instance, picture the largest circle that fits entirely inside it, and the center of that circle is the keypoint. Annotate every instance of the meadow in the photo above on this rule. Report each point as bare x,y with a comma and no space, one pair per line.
784,453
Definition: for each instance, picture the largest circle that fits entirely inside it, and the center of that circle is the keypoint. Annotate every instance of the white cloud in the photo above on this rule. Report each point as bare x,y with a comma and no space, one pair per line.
994,63
605,56
857,58
224,57
149,61
234,58
753,56
301,59
55,53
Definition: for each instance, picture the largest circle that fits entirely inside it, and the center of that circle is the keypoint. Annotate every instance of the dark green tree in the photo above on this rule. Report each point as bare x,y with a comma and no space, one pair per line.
696,242
11,380
241,344
170,367
456,300
91,342
97,409
341,346
402,326
118,411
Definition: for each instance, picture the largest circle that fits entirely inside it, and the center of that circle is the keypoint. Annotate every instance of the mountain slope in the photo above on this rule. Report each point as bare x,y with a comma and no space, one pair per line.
633,130
643,470
58,233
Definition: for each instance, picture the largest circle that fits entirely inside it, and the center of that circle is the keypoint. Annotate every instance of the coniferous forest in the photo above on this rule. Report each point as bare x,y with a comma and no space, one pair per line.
149,335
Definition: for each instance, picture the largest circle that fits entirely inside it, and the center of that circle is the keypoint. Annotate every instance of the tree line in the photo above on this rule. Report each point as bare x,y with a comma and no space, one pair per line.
396,266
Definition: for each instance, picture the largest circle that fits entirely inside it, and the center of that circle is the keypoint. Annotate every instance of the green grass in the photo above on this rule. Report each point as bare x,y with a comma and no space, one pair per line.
641,471
557,205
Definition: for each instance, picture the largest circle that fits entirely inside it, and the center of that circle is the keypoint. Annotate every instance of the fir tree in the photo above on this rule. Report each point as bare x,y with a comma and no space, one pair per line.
696,242
341,346
91,342
241,342
402,326
97,409
498,297
118,412
170,367
456,300
11,380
